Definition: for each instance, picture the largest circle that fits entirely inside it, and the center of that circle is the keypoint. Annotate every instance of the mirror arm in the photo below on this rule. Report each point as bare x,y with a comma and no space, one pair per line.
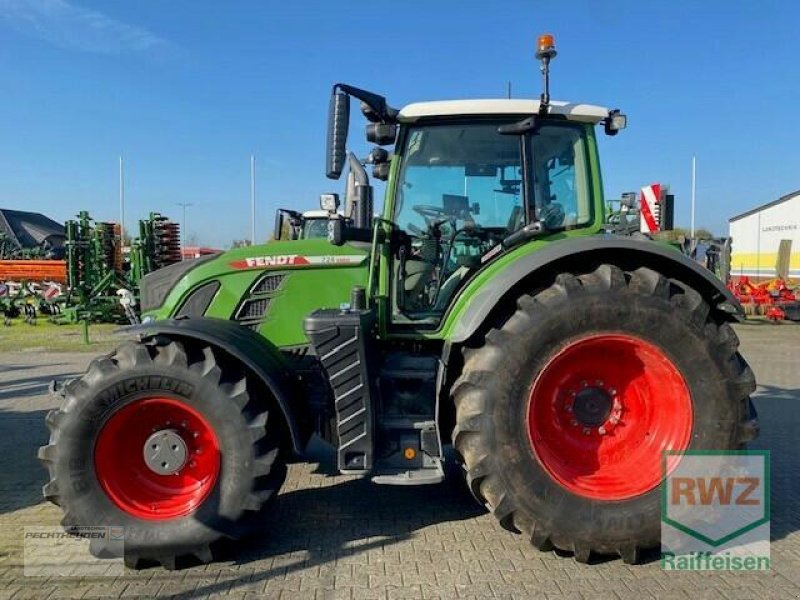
376,102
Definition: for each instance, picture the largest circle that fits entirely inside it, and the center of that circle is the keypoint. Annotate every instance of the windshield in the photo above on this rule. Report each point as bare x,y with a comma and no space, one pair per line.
466,171
472,173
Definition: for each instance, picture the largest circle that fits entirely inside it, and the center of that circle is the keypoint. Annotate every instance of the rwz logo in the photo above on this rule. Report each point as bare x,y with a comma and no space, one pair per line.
715,510
708,490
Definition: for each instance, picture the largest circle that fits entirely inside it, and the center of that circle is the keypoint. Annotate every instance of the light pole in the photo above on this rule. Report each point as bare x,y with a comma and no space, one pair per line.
121,203
252,200
694,188
184,231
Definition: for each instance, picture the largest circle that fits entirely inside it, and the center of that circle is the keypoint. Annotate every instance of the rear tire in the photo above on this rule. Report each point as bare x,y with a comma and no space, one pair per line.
99,475
659,334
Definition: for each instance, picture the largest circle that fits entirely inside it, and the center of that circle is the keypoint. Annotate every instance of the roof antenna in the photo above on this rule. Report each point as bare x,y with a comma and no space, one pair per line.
545,51
508,87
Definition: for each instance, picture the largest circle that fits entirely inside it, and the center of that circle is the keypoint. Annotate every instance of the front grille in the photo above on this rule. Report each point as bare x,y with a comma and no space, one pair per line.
253,309
268,283
197,303
252,312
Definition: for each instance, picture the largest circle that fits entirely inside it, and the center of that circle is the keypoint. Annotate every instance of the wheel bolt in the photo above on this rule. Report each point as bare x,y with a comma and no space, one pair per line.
568,407
586,431
598,383
612,391
574,423
195,434
192,464
602,430
584,384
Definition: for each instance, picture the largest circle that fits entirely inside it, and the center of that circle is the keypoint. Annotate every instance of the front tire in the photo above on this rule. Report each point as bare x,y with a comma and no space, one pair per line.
167,441
564,411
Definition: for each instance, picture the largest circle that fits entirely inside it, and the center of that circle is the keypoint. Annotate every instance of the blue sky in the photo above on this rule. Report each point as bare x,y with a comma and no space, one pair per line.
187,90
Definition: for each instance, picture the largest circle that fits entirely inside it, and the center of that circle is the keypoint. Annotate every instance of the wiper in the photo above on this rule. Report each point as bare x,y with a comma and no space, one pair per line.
518,128
530,231
520,236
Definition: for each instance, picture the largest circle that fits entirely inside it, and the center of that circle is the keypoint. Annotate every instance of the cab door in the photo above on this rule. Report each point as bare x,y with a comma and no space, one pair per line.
458,192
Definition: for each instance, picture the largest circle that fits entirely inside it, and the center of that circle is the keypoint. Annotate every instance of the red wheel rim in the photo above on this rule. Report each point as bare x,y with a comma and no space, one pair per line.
132,485
602,412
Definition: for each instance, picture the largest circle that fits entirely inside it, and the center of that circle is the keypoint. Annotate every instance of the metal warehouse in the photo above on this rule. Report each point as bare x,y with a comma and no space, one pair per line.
758,234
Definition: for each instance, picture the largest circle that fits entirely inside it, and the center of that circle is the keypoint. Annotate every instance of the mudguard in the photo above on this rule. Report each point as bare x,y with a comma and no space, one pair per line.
581,253
254,351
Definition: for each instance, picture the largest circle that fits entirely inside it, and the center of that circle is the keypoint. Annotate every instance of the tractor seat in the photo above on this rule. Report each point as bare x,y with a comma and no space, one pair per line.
417,275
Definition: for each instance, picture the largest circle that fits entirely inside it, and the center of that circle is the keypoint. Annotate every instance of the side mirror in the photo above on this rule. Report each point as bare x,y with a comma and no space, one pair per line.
288,224
329,202
338,124
336,231
280,219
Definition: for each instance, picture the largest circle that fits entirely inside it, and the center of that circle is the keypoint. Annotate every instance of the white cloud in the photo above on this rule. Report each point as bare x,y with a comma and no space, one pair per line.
62,24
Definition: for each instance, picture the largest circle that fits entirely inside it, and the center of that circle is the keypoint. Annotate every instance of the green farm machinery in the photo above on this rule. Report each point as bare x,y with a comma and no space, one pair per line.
102,282
158,245
487,308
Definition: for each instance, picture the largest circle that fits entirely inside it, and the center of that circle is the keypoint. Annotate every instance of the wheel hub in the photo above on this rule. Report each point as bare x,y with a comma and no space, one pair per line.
165,452
592,406
602,412
157,458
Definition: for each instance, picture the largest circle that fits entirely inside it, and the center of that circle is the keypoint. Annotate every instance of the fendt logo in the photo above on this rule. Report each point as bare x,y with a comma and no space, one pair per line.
281,260
715,510
284,261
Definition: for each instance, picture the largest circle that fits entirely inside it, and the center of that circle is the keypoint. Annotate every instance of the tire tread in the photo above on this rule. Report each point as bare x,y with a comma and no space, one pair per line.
471,395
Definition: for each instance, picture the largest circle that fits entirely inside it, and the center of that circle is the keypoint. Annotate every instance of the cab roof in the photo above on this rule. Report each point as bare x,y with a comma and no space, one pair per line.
316,214
587,113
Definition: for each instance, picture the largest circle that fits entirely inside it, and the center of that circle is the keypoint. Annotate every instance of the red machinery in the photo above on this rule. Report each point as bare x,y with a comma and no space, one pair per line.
33,270
773,298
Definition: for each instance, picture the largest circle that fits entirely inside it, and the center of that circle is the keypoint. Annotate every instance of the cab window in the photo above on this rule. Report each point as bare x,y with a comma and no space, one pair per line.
560,190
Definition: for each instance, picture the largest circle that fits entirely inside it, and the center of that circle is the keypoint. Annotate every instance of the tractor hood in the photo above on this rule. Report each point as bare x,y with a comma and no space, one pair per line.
269,288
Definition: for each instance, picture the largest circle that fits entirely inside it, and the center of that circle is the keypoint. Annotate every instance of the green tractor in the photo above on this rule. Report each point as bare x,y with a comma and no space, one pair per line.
486,308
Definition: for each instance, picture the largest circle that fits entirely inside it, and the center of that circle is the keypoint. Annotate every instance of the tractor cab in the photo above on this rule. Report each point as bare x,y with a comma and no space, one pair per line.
467,185
294,225
467,182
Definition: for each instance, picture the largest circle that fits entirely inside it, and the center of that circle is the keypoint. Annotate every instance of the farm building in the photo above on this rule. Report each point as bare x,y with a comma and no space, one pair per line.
758,235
